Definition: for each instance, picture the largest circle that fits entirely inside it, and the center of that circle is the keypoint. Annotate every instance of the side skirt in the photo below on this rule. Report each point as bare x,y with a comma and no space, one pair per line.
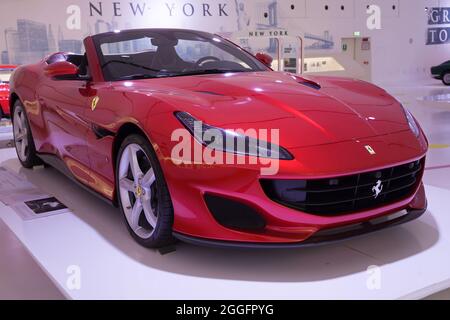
59,165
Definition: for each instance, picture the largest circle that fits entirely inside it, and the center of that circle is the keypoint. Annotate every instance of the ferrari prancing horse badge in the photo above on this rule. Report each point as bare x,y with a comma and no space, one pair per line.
94,103
370,150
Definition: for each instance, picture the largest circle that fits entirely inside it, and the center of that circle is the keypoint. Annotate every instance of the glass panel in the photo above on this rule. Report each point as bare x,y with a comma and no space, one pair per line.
156,53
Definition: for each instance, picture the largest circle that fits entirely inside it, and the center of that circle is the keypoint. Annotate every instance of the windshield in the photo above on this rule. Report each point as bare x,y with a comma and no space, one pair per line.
5,74
157,53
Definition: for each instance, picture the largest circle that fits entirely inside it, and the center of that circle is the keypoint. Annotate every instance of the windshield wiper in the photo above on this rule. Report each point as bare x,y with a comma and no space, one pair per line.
130,64
165,74
138,76
205,71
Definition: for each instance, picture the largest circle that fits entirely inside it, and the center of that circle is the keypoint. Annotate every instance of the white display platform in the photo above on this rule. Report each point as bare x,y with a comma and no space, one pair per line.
414,259
6,133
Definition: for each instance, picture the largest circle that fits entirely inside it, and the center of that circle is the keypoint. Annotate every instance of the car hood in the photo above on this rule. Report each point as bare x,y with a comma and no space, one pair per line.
340,110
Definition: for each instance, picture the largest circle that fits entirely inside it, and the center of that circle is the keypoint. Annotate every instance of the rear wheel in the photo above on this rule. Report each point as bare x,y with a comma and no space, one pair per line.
23,139
142,193
446,78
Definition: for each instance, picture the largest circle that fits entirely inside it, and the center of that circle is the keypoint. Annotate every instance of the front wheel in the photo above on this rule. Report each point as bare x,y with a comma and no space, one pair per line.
23,139
142,193
446,78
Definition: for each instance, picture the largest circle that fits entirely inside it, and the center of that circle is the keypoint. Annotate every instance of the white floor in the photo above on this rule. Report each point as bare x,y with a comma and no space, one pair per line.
6,135
20,275
92,241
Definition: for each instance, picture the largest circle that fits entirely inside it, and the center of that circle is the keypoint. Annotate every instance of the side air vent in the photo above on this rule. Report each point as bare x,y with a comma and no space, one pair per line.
310,84
234,215
210,92
101,133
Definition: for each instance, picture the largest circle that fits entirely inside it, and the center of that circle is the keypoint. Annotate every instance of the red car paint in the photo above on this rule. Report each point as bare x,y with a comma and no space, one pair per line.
4,90
325,130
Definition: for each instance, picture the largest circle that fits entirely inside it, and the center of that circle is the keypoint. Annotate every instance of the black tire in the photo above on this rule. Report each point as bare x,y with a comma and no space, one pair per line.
31,159
162,233
446,78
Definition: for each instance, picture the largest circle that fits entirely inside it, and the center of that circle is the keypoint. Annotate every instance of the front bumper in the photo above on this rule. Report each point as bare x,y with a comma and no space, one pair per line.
322,237
194,221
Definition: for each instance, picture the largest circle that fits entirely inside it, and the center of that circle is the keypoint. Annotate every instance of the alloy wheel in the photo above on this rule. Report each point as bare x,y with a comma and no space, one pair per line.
447,78
21,134
138,191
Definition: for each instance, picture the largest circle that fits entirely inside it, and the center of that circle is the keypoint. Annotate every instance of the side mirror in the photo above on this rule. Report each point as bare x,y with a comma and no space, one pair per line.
265,59
62,68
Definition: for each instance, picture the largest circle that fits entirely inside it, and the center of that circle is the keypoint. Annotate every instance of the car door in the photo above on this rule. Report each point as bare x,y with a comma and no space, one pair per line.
63,104
106,111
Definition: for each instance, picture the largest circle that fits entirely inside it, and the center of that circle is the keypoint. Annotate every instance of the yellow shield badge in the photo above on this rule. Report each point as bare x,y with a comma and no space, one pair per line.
94,103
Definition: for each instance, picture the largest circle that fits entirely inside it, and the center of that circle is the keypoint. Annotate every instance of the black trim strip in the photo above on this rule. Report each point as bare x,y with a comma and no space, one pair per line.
323,237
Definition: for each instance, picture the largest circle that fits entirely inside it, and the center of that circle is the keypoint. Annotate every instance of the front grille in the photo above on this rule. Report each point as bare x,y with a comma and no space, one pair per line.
347,194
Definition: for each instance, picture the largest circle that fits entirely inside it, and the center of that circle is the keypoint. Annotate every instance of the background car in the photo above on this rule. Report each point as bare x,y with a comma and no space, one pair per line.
5,74
442,72
350,157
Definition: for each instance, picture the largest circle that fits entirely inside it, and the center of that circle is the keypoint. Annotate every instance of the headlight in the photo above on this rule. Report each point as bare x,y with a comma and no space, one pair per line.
411,122
231,141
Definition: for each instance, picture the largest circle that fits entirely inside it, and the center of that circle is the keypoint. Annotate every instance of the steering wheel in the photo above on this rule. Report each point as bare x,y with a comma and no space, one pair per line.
205,59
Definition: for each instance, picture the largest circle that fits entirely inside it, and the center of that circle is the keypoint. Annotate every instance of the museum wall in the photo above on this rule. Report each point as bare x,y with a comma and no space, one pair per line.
29,30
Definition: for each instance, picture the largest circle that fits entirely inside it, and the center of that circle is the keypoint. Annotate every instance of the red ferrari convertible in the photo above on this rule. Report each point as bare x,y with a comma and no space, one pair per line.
195,139
5,73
